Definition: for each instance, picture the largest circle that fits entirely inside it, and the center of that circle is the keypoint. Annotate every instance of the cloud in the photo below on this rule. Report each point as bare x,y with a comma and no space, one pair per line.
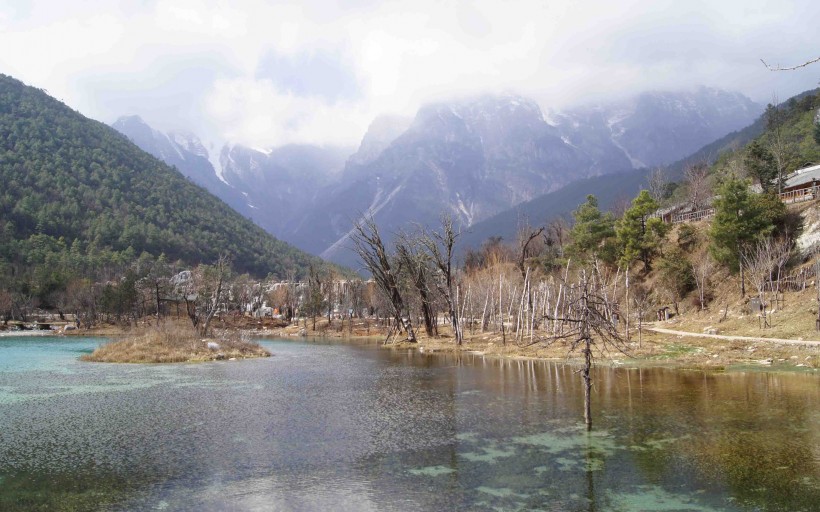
259,114
264,74
317,73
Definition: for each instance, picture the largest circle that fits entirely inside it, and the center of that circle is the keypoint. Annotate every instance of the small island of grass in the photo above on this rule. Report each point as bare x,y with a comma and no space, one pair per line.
175,344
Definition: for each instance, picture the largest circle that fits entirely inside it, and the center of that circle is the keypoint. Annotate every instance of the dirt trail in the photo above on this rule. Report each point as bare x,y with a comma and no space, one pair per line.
780,341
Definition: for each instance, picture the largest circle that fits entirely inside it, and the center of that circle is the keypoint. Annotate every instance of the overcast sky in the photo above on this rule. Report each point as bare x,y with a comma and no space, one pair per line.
268,73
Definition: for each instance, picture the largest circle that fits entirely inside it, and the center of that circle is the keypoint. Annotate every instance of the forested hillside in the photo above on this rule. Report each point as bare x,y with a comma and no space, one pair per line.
78,197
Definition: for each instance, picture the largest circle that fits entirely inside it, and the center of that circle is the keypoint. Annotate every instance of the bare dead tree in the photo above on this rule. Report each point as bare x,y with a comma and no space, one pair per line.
587,314
697,181
416,265
702,271
526,236
778,146
439,246
641,298
621,204
368,245
778,67
781,251
658,183
314,301
557,234
204,293
759,261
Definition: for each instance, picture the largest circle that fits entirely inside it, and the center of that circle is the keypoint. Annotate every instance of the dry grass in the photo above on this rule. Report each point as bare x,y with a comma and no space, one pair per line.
174,343
654,350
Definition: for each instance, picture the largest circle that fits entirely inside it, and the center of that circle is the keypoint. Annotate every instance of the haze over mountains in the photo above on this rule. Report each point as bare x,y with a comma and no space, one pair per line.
473,158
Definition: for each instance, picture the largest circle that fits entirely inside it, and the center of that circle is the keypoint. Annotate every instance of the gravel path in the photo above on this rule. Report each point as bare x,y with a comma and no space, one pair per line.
780,341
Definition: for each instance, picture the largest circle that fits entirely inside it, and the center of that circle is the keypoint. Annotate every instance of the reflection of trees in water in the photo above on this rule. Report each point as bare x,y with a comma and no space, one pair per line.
753,437
749,434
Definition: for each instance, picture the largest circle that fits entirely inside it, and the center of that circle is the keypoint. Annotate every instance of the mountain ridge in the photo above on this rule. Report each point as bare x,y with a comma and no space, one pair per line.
72,183
473,158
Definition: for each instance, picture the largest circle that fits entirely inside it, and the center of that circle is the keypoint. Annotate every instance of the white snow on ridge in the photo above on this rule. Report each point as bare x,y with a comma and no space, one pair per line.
568,142
216,161
468,214
375,206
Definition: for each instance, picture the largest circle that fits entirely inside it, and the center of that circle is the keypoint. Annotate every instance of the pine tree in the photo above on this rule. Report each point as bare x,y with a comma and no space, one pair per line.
761,165
639,235
739,221
591,229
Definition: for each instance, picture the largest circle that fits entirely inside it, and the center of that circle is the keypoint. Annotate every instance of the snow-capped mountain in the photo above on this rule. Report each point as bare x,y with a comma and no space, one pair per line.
271,187
470,158
380,134
186,153
655,128
280,185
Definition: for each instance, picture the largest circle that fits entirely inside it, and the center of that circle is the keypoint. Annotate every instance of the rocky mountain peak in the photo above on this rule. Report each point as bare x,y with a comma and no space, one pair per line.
189,142
380,134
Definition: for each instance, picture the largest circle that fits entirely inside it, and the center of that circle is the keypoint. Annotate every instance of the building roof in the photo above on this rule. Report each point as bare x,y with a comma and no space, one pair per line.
803,176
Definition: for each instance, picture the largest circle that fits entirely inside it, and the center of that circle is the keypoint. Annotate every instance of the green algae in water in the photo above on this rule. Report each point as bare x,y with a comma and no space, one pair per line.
558,441
501,493
334,427
490,454
433,471
652,498
27,492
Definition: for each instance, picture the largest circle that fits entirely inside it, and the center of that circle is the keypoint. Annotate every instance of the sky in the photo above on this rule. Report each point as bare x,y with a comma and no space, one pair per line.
265,74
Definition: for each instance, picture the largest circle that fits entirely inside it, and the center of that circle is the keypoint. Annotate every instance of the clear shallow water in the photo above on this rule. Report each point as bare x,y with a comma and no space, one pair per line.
323,426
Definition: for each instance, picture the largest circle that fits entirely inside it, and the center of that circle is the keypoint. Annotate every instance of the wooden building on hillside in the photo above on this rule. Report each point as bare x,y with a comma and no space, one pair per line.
802,185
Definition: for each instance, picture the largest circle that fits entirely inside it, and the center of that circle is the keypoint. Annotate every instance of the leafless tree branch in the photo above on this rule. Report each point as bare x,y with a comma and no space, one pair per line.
778,67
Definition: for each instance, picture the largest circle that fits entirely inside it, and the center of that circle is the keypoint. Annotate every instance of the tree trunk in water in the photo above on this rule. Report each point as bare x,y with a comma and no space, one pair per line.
626,274
587,385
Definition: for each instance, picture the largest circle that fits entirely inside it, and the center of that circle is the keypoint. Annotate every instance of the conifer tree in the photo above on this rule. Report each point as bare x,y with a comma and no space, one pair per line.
591,229
739,221
761,165
639,235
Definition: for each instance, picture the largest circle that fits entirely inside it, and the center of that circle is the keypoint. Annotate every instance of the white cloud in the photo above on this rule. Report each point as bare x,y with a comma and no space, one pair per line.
102,57
256,113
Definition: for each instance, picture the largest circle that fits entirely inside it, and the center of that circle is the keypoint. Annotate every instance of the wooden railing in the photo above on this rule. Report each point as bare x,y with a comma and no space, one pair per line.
694,216
798,196
790,197
795,282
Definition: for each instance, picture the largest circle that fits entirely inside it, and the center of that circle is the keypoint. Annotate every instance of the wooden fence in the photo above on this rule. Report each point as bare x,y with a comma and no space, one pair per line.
790,197
694,216
801,195
795,282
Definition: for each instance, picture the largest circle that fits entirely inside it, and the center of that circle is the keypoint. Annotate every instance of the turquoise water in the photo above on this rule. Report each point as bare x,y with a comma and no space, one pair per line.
323,426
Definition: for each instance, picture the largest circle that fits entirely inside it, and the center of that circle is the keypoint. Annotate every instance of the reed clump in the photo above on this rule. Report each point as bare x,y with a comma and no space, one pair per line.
173,343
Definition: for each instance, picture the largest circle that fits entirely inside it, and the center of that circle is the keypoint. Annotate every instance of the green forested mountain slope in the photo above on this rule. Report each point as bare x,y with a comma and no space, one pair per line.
73,186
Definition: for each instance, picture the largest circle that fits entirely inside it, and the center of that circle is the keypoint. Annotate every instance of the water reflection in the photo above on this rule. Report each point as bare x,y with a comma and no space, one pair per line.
353,427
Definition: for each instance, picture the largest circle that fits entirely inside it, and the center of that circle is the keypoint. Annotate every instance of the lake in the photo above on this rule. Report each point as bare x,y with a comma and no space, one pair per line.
351,426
